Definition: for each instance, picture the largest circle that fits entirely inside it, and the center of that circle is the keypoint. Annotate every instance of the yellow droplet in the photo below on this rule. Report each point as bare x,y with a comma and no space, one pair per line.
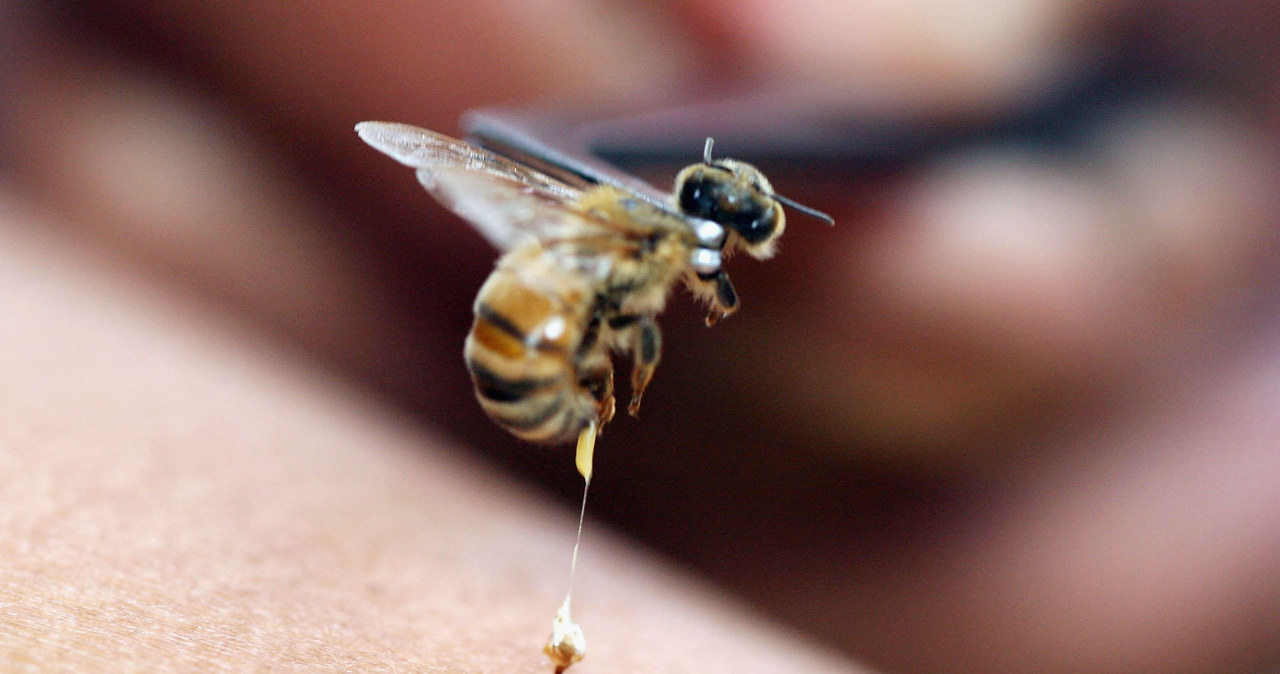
586,451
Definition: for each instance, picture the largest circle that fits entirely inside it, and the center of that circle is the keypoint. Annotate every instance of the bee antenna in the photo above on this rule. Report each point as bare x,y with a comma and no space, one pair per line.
706,151
811,212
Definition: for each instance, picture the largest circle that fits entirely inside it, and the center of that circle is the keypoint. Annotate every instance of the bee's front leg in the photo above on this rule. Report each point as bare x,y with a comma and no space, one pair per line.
718,290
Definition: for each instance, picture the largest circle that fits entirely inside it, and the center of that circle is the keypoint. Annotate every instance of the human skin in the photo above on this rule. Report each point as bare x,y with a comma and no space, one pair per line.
1016,412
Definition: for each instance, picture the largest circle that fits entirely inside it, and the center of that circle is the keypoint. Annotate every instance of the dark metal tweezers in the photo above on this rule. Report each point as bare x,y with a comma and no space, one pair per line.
787,128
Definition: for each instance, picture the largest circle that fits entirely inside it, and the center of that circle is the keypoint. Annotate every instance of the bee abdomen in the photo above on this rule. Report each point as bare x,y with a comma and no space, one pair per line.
499,389
522,355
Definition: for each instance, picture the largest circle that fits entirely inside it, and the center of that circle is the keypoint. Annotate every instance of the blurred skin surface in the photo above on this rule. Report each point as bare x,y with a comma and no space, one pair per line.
1018,411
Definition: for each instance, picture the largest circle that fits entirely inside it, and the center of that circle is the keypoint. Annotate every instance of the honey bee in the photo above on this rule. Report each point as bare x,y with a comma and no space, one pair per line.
584,271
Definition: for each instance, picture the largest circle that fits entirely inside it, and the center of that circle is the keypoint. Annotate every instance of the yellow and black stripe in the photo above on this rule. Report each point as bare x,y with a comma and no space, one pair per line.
524,357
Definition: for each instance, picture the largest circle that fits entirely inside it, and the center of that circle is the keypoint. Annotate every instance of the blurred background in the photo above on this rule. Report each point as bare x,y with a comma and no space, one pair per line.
1019,410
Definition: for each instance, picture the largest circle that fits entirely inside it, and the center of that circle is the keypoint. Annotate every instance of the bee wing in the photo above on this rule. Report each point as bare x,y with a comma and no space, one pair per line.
505,201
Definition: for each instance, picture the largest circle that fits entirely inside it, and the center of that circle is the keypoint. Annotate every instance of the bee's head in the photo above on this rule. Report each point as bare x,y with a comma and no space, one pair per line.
737,196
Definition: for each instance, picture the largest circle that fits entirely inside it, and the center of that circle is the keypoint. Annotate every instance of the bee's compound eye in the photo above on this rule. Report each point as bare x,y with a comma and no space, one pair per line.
700,196
756,223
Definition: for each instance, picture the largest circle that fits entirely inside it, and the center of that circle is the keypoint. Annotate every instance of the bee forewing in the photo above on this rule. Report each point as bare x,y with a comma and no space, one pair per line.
407,144
505,201
505,211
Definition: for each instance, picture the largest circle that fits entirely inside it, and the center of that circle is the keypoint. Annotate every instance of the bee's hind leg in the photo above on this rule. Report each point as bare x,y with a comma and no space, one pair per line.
600,384
597,379
640,336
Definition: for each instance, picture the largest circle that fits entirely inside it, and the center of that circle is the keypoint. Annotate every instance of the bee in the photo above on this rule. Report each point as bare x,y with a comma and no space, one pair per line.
585,270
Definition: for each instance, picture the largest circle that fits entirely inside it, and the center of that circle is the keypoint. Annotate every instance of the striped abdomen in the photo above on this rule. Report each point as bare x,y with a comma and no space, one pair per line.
526,350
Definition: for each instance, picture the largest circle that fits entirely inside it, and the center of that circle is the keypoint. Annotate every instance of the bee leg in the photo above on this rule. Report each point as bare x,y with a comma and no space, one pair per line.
719,290
608,404
646,350
595,372
599,383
